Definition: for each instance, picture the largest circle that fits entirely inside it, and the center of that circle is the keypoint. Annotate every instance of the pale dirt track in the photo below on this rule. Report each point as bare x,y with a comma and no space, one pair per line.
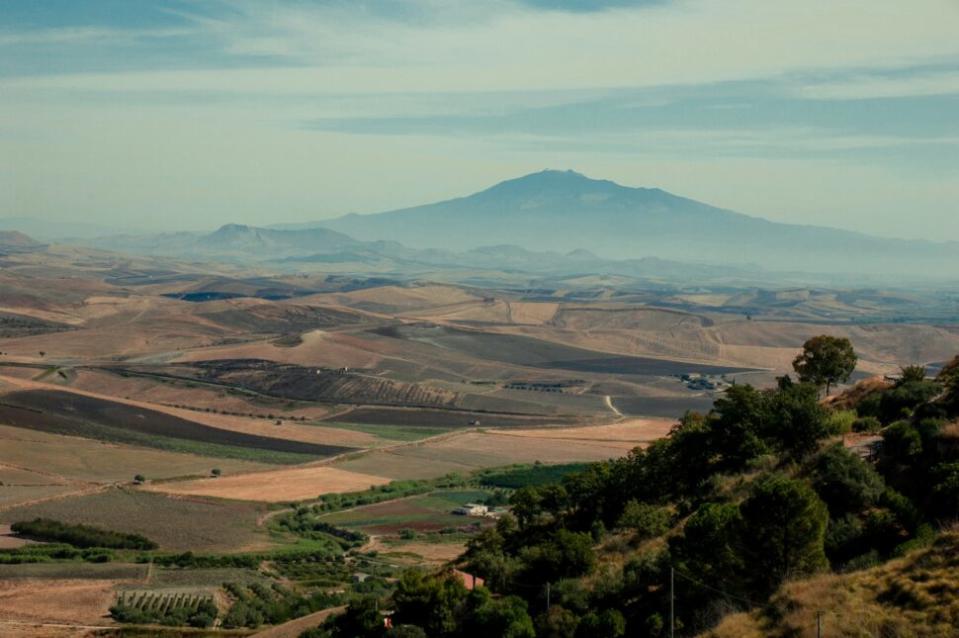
295,627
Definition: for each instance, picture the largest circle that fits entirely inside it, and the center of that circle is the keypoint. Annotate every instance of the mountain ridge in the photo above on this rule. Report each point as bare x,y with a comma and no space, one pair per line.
564,211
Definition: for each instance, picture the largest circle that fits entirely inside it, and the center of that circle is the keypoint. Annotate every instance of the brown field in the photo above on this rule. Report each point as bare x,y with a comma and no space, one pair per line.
75,602
176,523
159,393
636,431
295,484
428,552
98,462
468,451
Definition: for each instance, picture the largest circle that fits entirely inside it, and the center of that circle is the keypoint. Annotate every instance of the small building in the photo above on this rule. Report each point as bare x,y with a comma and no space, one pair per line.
470,581
472,509
360,577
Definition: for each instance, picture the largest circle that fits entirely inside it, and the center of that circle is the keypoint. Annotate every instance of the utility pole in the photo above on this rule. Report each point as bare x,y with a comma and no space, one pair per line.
672,602
547,596
818,624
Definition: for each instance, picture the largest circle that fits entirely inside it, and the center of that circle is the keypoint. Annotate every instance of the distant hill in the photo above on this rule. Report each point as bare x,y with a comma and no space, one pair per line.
565,211
12,241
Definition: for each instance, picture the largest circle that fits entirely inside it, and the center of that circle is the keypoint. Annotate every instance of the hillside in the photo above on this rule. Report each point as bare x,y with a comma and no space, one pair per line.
565,211
913,596
12,241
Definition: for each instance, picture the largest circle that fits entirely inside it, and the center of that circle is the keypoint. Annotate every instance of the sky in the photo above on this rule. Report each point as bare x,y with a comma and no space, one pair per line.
187,114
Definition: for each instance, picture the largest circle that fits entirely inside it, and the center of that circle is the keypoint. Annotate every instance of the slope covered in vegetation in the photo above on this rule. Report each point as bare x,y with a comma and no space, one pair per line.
717,517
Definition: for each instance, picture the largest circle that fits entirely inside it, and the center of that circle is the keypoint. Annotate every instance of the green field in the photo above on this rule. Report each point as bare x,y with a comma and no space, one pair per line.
429,512
176,524
515,478
389,432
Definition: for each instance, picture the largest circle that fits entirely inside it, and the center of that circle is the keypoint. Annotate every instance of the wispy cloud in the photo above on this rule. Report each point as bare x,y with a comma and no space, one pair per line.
288,96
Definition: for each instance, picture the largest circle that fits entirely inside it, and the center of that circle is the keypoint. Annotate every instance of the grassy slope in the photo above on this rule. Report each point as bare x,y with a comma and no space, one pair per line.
916,596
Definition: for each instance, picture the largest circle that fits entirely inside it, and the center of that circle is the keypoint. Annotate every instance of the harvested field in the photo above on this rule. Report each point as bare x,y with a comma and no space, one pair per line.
8,540
437,553
56,601
75,571
176,523
277,486
93,461
636,431
469,451
673,407
81,415
441,418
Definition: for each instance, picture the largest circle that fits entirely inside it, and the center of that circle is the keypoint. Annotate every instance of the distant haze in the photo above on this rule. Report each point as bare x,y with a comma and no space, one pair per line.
179,115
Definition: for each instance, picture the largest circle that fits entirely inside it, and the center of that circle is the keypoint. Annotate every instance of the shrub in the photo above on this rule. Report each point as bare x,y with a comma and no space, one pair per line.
647,520
867,424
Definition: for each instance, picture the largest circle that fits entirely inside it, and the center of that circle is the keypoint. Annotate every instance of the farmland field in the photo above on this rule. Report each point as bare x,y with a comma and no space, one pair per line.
438,418
176,524
91,460
430,512
528,351
277,486
81,415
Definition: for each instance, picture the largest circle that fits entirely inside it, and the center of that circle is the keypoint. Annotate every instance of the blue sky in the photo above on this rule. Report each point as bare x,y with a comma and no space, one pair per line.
189,114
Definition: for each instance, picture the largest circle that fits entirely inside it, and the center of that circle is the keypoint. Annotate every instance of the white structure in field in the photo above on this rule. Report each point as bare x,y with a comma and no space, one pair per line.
472,509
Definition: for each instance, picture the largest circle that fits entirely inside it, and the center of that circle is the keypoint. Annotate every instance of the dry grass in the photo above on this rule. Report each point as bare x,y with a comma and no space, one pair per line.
295,484
84,602
636,431
70,459
916,597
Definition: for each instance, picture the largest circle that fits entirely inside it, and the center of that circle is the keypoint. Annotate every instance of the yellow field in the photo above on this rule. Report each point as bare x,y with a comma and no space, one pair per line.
294,484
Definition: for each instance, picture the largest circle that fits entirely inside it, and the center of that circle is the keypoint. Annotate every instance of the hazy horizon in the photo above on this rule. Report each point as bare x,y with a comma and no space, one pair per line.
181,115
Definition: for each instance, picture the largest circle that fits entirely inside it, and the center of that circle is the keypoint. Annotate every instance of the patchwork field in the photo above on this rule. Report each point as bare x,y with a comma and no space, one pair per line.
74,414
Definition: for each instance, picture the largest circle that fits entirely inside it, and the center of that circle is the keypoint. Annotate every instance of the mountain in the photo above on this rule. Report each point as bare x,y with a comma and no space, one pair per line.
233,242
565,211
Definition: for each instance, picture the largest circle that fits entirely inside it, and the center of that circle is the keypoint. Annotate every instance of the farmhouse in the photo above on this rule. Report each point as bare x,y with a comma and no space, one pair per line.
472,509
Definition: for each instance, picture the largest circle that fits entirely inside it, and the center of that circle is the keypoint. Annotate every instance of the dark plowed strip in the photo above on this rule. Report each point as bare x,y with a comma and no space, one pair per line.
68,413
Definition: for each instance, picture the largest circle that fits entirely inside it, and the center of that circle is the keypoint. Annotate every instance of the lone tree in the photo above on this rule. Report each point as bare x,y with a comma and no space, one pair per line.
139,478
825,360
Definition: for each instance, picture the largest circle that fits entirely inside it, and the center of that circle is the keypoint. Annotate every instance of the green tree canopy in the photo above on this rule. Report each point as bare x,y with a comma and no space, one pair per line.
825,360
783,529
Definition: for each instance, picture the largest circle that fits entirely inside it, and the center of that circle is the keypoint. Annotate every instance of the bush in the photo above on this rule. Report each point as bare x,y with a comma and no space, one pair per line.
867,424
647,520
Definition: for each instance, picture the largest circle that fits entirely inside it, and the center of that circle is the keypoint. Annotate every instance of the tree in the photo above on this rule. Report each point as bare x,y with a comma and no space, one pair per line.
216,471
825,360
556,622
506,617
783,531
139,478
606,624
431,601
845,482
